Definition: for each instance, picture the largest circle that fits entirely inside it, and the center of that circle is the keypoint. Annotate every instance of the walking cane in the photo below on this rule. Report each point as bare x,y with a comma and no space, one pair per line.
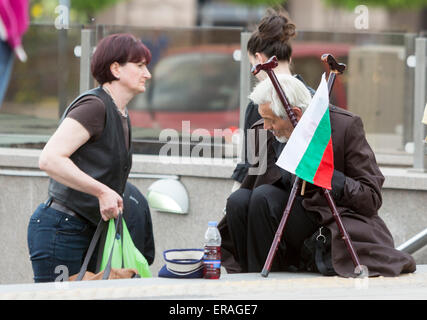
334,68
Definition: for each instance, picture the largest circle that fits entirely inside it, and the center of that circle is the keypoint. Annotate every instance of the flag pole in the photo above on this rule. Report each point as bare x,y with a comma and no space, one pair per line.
334,68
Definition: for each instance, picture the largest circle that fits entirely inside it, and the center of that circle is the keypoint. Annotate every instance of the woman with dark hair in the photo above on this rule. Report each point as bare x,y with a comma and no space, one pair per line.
272,37
88,160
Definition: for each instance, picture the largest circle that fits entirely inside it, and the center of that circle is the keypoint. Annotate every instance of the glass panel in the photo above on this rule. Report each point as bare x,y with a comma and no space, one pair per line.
41,88
195,80
377,84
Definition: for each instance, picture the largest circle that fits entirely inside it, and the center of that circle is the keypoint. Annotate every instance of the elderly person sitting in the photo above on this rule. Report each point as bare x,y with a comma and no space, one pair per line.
254,211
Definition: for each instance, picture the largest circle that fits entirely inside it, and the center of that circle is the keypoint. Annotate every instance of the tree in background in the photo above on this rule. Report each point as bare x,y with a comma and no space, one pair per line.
349,4
90,7
419,5
392,5
388,4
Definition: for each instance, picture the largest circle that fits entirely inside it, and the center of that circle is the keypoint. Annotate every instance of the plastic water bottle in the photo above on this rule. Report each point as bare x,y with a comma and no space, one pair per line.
212,256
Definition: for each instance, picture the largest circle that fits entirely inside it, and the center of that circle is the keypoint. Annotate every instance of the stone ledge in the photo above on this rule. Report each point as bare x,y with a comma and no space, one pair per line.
279,285
20,159
198,167
148,164
404,178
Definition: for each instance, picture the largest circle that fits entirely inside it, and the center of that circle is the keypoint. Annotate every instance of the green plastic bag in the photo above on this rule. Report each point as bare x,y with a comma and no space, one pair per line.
125,254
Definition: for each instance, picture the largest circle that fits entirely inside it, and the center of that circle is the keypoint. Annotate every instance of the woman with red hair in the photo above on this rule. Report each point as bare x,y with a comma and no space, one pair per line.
88,159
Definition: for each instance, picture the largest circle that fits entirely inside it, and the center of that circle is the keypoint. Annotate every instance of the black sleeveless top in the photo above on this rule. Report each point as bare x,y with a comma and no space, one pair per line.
106,159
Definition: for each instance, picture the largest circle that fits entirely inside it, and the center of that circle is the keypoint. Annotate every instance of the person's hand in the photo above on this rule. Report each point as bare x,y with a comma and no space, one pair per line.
110,204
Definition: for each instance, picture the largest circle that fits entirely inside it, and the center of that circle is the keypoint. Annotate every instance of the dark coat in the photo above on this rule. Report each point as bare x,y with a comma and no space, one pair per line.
137,215
356,186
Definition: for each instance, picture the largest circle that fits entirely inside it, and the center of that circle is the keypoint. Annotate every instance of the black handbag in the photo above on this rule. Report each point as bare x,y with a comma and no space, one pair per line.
316,254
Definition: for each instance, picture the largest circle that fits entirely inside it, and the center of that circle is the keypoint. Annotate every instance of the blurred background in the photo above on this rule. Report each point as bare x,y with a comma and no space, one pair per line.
197,62
201,75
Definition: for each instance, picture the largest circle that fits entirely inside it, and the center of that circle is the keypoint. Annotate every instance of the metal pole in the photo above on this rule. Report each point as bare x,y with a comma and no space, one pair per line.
415,243
408,107
62,70
245,88
87,44
245,77
62,56
419,103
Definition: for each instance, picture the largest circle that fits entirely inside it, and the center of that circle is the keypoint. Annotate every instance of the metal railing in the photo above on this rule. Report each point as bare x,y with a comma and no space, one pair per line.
415,243
87,45
420,94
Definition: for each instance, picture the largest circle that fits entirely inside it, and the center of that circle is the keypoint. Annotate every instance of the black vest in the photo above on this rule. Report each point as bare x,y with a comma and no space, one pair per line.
105,160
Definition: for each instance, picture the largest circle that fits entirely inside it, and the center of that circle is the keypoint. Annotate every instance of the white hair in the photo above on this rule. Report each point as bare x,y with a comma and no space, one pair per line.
296,93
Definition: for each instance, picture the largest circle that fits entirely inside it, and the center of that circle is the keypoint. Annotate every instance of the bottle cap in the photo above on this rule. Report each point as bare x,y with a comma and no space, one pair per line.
212,223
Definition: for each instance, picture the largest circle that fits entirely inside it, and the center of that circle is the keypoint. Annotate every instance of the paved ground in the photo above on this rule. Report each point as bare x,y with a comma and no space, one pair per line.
278,286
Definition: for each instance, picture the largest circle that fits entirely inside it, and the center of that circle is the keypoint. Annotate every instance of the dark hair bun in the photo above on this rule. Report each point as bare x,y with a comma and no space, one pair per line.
275,26
272,36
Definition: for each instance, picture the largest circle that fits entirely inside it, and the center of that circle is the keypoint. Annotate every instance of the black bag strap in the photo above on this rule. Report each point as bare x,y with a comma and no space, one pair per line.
100,231
100,251
119,230
121,236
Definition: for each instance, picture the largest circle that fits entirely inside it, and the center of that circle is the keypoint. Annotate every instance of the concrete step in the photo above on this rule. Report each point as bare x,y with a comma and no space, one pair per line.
277,286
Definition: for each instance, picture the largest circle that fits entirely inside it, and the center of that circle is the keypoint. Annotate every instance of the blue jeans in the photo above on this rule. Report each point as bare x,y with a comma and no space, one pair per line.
57,244
6,63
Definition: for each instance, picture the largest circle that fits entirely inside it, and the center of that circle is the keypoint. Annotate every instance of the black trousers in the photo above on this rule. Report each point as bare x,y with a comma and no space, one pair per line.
253,217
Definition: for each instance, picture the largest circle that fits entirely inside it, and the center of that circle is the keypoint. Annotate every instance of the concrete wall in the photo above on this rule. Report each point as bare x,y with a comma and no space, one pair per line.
208,185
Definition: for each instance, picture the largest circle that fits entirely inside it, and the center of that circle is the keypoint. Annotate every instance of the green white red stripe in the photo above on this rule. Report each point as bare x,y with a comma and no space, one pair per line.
308,153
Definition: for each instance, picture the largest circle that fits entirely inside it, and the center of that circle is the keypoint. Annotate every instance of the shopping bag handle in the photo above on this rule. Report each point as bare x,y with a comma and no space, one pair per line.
119,230
98,232
102,225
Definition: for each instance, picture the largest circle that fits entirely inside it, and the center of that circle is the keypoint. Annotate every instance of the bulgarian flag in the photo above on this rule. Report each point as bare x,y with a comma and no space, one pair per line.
308,153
